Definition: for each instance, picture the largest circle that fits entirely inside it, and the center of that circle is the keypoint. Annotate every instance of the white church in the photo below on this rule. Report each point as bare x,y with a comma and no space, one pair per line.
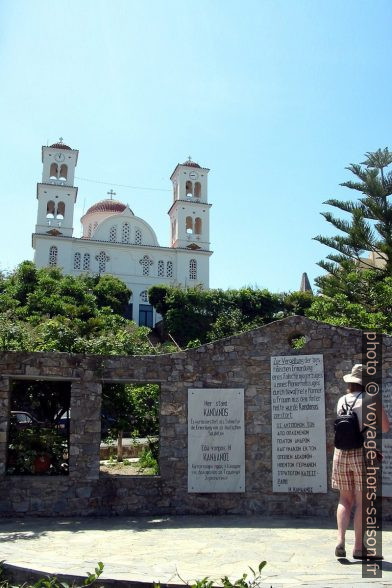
115,241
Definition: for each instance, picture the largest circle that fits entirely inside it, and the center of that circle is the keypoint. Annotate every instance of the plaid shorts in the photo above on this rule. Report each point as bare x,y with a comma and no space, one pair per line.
347,469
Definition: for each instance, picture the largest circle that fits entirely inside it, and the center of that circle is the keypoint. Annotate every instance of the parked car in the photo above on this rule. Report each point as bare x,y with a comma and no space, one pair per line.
24,420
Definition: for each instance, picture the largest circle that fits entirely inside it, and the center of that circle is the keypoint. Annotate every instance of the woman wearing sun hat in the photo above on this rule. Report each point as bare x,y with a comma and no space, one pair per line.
348,466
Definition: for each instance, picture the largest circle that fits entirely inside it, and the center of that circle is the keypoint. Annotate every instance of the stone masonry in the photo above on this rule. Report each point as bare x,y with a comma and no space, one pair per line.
242,361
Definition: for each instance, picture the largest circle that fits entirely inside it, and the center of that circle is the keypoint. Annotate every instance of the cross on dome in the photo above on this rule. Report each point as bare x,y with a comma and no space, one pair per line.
111,193
60,139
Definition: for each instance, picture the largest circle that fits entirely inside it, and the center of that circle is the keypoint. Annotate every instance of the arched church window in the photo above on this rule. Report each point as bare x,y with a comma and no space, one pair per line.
77,261
53,255
113,234
161,268
63,172
138,237
169,269
53,171
60,210
174,230
197,190
86,261
143,297
50,209
189,225
189,189
193,269
90,229
198,226
145,262
102,259
125,233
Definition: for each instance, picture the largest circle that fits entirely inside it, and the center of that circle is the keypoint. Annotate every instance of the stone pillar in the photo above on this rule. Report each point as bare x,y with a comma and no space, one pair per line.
4,419
85,430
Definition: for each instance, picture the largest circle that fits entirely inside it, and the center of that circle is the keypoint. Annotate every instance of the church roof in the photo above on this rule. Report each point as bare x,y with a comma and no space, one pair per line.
107,205
61,146
191,163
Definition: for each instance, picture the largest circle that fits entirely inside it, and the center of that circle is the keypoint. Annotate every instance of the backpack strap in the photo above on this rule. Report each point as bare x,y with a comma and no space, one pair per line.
348,407
351,406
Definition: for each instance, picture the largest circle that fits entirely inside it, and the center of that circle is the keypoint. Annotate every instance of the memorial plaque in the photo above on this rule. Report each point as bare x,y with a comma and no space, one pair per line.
298,424
387,440
216,440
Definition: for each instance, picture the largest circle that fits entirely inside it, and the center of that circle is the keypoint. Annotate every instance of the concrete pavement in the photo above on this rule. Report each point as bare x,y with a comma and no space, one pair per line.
299,552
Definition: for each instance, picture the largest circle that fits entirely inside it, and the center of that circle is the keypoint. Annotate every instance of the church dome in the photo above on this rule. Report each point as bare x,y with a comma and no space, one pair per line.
191,163
60,146
107,205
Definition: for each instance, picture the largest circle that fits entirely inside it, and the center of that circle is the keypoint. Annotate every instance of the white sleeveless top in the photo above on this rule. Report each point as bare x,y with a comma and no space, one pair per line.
350,399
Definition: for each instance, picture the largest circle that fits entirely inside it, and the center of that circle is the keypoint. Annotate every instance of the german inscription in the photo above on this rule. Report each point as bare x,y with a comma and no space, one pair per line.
298,424
216,440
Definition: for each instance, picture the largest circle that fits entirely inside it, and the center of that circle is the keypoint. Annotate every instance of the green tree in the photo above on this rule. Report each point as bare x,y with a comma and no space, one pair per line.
367,303
134,409
369,228
197,315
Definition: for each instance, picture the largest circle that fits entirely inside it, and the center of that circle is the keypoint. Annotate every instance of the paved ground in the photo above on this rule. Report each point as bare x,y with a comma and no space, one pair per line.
173,549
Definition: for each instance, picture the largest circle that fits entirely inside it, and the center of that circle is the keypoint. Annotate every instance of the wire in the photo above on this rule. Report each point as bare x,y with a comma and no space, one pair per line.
122,185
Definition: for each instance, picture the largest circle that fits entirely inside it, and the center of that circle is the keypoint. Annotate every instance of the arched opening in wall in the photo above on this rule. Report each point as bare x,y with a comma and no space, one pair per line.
189,225
169,269
198,226
130,414
90,230
125,233
53,174
50,209
138,237
60,210
38,439
77,261
197,190
161,268
193,269
86,261
53,255
189,189
113,234
297,341
63,172
174,230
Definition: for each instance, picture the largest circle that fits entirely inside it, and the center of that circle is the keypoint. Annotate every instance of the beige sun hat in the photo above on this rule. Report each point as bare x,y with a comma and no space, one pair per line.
356,374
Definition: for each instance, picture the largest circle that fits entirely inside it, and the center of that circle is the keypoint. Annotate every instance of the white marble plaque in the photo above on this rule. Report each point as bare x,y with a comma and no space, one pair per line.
216,440
386,470
299,462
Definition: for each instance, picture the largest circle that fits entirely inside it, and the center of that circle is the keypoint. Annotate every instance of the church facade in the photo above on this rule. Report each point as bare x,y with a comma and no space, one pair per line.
114,241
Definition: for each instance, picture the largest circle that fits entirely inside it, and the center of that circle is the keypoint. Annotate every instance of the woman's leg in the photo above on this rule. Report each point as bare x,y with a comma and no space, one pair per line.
358,522
343,513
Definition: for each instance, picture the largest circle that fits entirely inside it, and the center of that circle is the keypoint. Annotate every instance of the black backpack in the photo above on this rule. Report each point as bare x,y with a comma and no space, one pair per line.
347,433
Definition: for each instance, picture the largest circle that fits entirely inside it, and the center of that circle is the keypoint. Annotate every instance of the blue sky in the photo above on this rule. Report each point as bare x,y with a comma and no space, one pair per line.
276,97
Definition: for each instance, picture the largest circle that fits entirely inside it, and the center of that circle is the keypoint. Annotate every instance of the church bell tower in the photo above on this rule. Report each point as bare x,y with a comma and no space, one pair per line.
56,194
189,213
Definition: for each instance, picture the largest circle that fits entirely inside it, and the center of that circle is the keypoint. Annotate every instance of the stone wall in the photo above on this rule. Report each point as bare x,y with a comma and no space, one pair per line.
237,362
